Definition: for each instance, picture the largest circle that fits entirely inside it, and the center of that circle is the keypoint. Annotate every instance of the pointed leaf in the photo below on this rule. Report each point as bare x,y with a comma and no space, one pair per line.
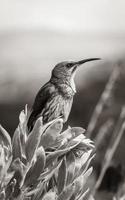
84,168
70,145
70,162
2,157
84,180
23,123
66,193
16,145
80,182
54,155
48,174
5,138
34,139
40,191
19,168
22,117
62,176
23,139
85,143
35,171
82,163
4,170
69,134
87,174
76,131
85,195
48,139
49,195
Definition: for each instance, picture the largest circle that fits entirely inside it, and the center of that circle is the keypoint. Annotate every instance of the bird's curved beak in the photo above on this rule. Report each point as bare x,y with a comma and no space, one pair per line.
85,60
78,63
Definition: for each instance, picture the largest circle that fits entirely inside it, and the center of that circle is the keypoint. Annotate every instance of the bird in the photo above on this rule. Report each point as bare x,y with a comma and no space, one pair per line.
55,98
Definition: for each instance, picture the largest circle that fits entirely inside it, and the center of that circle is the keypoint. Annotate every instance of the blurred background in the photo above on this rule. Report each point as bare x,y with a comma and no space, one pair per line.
36,35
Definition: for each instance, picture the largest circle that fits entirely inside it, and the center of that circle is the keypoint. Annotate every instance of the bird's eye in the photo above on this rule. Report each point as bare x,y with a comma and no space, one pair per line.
69,65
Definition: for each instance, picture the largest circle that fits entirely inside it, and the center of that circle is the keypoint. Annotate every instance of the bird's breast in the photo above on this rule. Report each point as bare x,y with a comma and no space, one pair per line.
57,106
66,91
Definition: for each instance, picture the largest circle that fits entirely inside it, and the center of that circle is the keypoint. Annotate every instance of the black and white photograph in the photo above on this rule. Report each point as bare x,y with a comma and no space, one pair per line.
62,100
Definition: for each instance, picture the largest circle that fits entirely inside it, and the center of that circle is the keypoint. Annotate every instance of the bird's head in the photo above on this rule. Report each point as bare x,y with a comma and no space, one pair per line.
65,71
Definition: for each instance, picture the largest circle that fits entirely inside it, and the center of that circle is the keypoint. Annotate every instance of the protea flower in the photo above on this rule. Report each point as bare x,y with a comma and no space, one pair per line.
46,164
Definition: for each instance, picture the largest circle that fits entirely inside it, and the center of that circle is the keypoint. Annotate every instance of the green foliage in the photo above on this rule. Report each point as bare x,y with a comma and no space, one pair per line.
46,164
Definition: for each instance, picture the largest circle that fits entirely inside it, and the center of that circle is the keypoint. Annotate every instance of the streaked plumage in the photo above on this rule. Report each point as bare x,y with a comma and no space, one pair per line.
55,98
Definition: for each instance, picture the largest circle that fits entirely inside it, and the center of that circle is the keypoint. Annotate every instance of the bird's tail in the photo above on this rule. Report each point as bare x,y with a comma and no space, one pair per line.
31,121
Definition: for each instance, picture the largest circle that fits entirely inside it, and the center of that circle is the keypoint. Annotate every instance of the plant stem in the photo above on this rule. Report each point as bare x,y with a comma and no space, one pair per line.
103,100
118,132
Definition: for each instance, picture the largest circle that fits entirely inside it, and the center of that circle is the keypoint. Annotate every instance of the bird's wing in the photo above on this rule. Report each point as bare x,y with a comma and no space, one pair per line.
42,97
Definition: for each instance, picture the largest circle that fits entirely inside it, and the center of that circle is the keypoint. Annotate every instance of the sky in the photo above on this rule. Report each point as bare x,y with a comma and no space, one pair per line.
37,34
99,16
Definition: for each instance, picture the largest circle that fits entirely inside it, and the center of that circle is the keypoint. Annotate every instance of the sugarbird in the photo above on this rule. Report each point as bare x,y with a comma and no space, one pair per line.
55,98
